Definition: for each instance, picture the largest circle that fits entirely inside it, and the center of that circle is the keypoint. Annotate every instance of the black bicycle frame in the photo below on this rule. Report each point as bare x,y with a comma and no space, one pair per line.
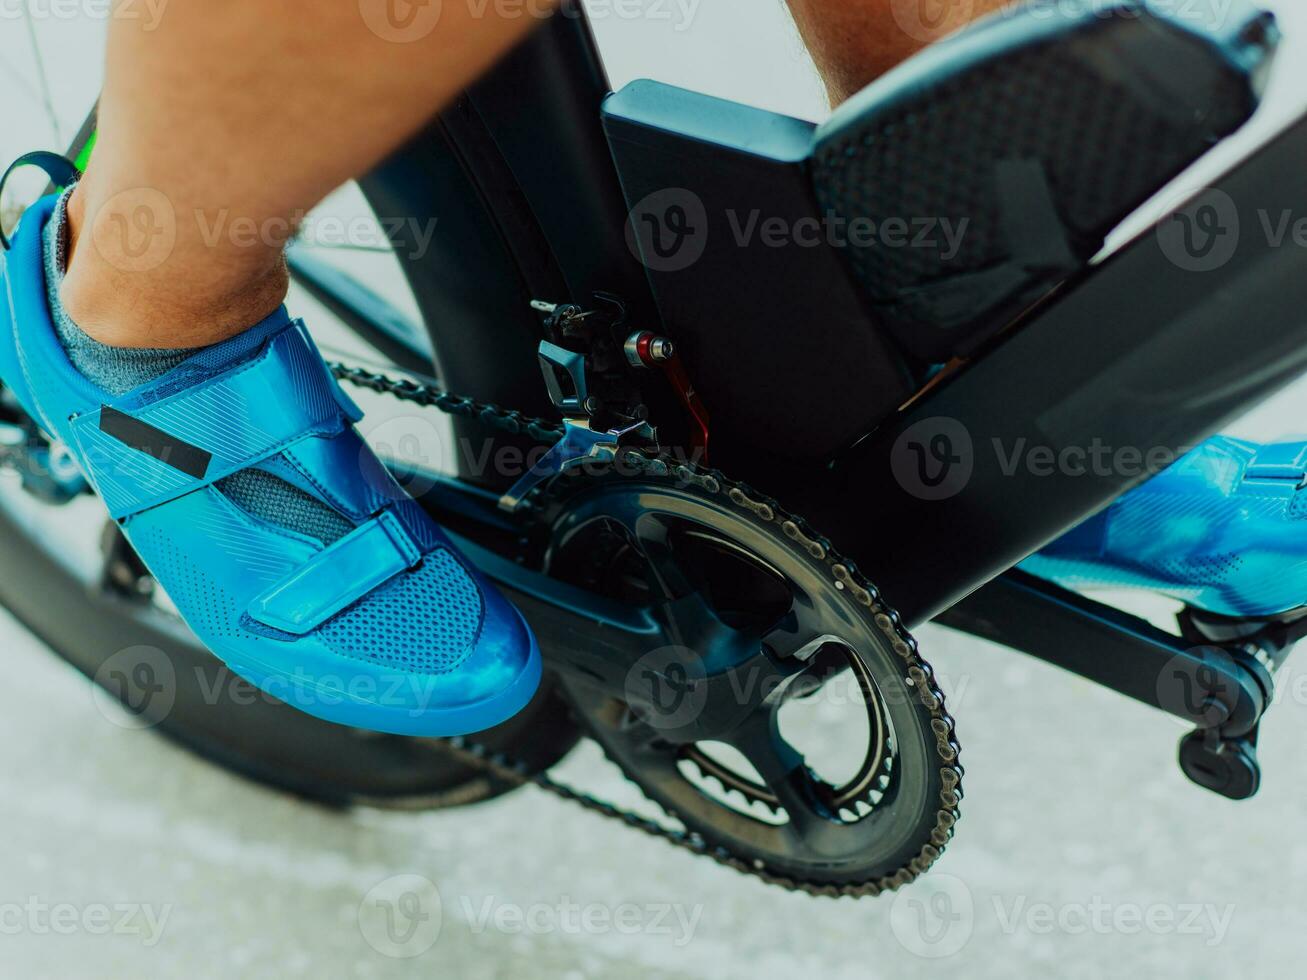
1138,355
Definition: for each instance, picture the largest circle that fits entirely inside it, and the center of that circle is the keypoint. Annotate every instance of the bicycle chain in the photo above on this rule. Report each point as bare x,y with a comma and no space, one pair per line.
919,673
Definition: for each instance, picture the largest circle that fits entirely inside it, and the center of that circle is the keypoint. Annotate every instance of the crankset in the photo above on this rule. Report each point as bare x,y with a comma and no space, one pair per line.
778,711
730,662
735,667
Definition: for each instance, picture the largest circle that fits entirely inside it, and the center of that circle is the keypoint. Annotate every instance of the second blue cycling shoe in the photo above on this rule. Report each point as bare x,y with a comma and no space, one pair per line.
385,628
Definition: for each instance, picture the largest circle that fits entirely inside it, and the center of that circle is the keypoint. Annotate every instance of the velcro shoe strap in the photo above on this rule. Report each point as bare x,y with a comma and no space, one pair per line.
143,450
337,577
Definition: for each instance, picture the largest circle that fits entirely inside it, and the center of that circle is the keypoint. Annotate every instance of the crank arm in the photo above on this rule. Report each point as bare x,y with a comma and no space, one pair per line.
581,634
1222,691
1116,651
607,645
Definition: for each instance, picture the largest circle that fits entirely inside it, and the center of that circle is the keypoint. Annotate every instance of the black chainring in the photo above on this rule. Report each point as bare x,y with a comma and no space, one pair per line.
651,542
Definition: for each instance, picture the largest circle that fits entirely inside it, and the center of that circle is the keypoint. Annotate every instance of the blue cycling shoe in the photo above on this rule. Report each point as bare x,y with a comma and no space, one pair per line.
1223,530
385,628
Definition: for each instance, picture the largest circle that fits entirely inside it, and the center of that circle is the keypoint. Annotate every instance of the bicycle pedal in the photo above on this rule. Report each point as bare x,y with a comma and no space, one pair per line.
1032,135
1225,766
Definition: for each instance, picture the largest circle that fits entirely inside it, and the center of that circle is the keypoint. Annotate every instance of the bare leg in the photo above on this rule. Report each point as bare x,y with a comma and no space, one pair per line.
855,41
240,116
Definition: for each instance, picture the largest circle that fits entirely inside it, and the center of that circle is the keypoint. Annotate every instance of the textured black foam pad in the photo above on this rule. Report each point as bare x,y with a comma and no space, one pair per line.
1011,150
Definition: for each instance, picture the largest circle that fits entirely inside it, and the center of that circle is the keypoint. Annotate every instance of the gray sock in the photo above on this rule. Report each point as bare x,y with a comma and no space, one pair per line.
117,370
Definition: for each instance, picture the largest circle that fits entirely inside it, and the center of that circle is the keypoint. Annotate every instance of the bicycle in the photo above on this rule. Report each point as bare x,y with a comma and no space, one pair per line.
681,609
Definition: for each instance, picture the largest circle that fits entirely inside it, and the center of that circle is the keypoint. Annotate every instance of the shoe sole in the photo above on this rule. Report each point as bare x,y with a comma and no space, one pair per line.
337,705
